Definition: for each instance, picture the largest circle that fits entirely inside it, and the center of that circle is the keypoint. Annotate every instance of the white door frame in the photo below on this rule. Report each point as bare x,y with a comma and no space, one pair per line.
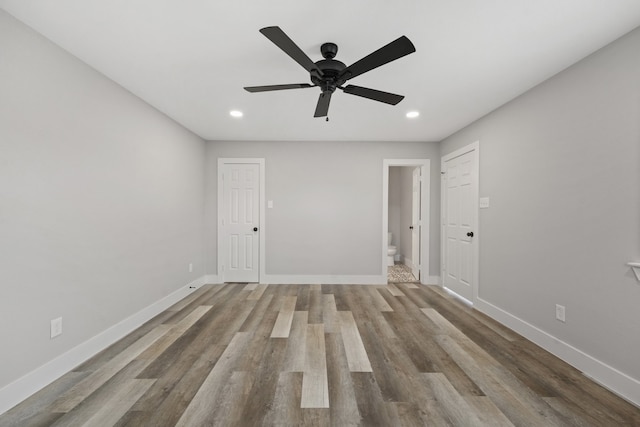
425,170
475,188
261,230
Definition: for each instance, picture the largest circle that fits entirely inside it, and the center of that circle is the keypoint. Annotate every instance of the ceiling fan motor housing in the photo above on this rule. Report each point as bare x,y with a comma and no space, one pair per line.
331,69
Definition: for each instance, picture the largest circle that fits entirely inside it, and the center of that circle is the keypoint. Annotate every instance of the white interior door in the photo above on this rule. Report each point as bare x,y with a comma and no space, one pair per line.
460,196
416,224
240,222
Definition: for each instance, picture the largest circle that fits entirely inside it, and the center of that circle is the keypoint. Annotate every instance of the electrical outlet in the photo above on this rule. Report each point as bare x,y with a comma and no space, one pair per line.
56,327
190,267
560,312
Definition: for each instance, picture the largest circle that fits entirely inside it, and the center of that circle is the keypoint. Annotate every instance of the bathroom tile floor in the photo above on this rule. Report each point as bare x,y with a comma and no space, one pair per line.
400,273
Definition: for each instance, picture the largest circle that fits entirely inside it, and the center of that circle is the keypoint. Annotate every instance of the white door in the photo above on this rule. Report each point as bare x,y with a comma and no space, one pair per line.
415,224
460,196
240,222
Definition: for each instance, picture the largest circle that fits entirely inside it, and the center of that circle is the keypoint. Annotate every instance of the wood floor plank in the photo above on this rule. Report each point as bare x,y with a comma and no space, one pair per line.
228,409
256,294
315,304
297,342
457,409
354,348
302,303
250,287
315,417
315,385
487,412
457,341
265,376
155,349
285,410
427,355
393,290
379,302
198,410
32,411
330,318
168,398
282,327
521,410
84,388
342,398
257,314
392,381
108,391
118,405
218,326
198,293
371,406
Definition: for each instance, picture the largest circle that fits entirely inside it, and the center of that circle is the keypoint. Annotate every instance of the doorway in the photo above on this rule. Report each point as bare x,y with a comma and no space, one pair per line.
412,230
240,220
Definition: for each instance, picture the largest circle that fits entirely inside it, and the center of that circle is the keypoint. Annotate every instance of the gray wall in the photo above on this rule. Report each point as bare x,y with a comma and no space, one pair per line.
101,202
327,215
395,206
561,167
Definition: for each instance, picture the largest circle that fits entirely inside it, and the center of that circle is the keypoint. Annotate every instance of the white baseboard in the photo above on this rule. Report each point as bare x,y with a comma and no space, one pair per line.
618,382
20,389
295,279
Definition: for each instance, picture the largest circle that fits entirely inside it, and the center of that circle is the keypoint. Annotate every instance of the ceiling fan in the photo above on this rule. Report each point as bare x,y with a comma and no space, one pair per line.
330,74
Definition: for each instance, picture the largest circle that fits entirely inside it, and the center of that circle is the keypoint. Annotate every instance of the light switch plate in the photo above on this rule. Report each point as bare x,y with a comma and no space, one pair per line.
270,204
56,327
484,202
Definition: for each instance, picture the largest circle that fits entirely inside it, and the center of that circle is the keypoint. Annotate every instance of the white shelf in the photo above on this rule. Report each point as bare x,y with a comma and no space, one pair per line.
636,268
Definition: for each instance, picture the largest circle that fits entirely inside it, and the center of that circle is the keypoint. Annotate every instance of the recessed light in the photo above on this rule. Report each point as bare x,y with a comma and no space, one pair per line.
235,113
413,114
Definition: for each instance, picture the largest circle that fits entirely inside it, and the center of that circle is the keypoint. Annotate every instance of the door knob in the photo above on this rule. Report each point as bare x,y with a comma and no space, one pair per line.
411,227
470,234
255,228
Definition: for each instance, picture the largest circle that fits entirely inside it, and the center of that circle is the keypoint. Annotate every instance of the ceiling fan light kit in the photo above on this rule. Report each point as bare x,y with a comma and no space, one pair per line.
330,74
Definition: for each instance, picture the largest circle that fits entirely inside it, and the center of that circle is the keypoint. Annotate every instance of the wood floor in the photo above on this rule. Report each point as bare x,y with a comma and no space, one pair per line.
285,355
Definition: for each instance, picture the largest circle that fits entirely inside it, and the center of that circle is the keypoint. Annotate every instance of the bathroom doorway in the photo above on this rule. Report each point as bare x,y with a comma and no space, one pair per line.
405,219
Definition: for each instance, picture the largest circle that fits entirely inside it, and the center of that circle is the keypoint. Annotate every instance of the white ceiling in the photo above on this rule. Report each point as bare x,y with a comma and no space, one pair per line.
191,58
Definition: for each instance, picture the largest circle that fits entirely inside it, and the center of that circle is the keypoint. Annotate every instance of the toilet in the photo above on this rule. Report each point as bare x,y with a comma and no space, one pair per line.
391,251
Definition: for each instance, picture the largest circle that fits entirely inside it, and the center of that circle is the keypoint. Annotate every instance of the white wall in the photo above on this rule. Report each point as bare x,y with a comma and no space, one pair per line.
400,208
561,165
327,215
101,202
406,177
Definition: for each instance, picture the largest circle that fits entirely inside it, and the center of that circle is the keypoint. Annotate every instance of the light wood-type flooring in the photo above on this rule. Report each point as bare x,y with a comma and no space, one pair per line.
318,355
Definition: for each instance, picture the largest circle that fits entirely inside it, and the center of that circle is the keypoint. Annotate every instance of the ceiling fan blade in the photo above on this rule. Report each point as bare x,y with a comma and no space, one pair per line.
253,89
280,39
376,95
322,108
396,49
